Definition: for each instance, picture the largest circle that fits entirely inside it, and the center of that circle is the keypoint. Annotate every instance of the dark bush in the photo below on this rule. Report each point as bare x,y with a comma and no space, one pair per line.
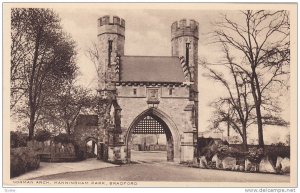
79,153
275,150
22,160
209,147
63,138
278,150
204,142
255,154
42,135
222,151
17,139
225,151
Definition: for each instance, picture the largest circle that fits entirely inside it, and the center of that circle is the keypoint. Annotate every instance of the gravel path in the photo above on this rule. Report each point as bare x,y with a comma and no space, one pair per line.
149,166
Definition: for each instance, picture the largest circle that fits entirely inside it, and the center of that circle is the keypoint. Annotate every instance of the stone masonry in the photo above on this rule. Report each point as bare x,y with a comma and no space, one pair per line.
133,87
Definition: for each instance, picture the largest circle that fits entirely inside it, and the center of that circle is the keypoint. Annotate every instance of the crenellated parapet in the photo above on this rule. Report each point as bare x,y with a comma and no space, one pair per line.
111,25
184,39
185,27
111,20
111,40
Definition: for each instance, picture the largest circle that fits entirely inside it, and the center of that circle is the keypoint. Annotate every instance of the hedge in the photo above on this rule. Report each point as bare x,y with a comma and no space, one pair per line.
63,138
17,139
22,160
42,135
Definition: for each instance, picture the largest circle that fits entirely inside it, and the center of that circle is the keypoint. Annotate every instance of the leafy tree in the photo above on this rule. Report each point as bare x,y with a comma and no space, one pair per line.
68,105
18,139
63,138
42,135
42,59
261,43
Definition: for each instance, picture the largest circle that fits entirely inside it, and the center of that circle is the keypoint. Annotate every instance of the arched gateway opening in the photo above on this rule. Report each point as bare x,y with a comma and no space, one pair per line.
154,122
91,147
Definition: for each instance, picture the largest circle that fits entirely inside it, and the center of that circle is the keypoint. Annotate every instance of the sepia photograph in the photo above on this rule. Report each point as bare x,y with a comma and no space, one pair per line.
150,95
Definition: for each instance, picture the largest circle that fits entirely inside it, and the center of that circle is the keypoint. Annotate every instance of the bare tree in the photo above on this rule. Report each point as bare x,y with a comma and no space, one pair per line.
93,53
261,42
42,59
235,108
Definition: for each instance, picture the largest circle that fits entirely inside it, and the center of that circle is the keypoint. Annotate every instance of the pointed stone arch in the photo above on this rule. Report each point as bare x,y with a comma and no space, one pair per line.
171,131
94,141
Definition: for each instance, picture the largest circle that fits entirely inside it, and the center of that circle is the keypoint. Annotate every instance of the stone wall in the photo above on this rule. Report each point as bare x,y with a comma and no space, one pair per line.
85,133
174,106
53,151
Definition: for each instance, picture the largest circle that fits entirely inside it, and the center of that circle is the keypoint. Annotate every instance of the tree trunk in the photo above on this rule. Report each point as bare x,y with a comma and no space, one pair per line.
257,100
258,114
93,147
31,88
244,137
259,127
31,127
68,128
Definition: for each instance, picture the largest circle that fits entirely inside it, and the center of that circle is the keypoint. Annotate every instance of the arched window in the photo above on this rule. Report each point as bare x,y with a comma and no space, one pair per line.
171,91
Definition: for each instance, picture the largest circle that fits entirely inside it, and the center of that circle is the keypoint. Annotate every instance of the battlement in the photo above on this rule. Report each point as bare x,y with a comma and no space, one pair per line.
111,25
185,27
111,20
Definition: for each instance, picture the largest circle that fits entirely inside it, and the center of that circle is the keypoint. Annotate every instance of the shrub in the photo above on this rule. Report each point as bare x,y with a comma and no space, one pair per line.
22,160
211,147
79,153
222,151
255,154
42,135
63,138
17,139
225,151
278,150
275,150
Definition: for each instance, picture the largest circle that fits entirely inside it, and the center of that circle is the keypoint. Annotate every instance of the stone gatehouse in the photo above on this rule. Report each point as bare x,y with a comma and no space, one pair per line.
145,94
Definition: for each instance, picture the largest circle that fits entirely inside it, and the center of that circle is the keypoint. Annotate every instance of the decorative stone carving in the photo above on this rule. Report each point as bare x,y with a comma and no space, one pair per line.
217,161
235,168
285,163
228,163
266,166
242,168
250,166
203,162
278,163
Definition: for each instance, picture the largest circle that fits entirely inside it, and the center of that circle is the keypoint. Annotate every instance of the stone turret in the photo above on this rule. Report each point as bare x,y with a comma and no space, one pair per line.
184,35
111,39
184,40
112,28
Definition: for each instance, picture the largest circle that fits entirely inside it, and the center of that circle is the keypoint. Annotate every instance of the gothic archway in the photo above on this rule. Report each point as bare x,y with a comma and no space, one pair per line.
91,147
166,124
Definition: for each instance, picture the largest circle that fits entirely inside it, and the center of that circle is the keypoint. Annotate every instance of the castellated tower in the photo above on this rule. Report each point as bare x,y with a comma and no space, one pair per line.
111,39
144,95
184,38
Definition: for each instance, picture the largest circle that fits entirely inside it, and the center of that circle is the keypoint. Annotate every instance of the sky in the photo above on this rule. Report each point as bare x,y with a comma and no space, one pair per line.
148,33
